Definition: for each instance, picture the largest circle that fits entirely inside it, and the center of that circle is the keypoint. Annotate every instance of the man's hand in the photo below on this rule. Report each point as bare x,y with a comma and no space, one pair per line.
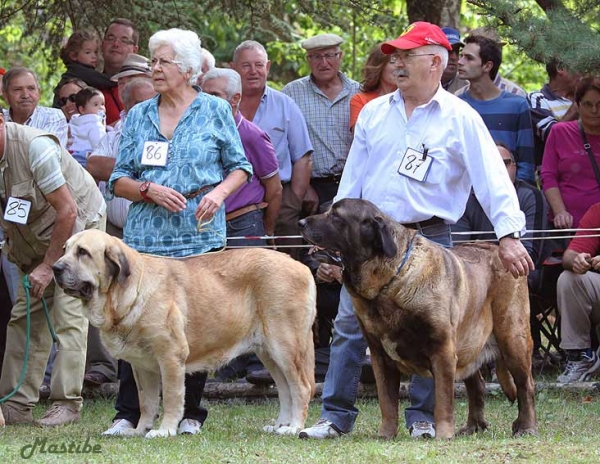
329,273
39,279
310,202
514,257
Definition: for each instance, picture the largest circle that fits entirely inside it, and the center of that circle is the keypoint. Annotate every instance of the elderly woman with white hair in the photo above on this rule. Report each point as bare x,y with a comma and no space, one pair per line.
175,150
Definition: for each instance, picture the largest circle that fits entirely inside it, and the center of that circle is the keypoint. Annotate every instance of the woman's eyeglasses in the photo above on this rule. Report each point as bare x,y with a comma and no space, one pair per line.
64,100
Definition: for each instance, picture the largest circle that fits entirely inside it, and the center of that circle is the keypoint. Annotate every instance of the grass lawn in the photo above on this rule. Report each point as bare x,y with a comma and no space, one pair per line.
569,426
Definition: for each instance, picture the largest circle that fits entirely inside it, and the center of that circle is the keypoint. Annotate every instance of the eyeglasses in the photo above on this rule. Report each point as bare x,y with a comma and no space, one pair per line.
122,40
161,62
327,56
64,100
394,57
508,162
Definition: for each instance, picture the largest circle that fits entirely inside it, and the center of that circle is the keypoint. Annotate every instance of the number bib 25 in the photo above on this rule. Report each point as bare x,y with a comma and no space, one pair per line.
155,153
17,210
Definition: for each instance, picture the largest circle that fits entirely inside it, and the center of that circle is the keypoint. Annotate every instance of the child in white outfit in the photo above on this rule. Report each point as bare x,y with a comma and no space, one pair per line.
89,126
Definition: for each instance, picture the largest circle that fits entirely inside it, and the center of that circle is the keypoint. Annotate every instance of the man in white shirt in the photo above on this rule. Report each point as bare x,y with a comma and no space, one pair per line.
21,90
416,154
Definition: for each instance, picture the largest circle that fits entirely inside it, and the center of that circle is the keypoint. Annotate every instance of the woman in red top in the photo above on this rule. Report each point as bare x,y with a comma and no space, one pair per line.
378,79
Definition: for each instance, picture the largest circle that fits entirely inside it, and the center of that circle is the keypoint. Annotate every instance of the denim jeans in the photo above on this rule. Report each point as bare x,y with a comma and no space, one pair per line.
249,224
347,356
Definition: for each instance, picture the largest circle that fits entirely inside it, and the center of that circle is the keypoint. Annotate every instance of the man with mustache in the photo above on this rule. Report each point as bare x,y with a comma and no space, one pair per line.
416,154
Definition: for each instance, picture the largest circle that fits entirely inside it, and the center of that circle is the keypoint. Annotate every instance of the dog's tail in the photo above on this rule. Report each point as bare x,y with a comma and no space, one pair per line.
505,379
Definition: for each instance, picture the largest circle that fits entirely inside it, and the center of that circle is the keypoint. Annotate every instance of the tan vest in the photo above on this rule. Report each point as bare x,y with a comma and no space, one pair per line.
27,244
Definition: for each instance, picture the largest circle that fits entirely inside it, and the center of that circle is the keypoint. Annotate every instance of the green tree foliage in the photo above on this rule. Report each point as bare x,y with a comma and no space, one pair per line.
549,29
32,31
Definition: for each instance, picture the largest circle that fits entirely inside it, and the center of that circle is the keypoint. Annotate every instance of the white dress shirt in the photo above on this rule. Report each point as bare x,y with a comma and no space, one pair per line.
116,207
463,153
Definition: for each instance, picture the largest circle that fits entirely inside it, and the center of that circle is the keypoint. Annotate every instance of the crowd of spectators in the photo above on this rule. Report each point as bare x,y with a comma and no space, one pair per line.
236,162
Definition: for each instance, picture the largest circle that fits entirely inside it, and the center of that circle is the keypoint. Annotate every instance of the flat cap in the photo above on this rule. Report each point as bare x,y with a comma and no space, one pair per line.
322,41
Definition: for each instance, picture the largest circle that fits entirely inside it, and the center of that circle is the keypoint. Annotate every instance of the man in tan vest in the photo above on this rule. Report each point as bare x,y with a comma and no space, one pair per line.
45,197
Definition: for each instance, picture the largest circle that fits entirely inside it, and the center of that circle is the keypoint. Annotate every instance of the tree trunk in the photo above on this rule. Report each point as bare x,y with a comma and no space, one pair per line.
440,12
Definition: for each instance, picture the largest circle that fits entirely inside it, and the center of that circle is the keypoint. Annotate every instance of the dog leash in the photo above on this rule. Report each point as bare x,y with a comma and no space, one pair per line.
27,286
407,254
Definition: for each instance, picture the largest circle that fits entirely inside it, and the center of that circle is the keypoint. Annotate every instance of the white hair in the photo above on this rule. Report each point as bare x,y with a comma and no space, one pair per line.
187,48
249,45
234,81
439,51
208,60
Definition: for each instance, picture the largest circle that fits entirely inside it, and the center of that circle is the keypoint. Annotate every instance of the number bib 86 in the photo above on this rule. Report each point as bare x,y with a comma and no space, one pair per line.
155,153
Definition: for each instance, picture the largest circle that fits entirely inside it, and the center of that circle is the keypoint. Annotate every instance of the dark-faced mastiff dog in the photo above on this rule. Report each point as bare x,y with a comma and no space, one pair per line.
170,316
428,310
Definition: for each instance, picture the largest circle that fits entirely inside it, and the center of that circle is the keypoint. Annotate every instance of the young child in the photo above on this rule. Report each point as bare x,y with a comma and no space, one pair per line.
80,56
89,126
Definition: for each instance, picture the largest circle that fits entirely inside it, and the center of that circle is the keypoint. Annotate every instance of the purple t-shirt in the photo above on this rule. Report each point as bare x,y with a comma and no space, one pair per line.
567,166
261,154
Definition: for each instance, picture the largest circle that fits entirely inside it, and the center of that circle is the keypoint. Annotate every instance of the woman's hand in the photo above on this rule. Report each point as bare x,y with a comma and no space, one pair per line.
209,205
563,220
166,197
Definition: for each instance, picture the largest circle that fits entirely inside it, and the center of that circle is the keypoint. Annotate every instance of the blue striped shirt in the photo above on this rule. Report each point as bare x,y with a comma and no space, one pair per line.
508,119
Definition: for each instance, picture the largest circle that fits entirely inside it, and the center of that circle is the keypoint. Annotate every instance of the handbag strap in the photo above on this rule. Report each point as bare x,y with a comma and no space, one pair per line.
588,150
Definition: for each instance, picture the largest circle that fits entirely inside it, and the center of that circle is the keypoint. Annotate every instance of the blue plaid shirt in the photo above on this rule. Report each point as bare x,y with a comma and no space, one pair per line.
205,144
328,122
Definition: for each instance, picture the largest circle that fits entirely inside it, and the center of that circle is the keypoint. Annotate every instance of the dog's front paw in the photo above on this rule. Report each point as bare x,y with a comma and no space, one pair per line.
471,429
288,430
160,433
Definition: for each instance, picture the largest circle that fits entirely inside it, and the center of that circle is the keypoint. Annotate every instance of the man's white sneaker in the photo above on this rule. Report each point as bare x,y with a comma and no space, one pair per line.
118,427
189,427
422,429
580,370
322,429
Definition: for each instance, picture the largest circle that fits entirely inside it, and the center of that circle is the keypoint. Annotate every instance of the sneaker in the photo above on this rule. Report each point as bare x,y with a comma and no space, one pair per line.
118,427
189,427
260,377
322,429
58,414
422,429
15,415
580,370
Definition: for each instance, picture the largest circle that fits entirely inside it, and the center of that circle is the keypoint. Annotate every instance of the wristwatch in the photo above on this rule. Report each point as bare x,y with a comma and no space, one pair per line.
144,189
515,235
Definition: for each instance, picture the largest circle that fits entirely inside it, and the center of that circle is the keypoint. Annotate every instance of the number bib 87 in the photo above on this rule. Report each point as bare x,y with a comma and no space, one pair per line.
415,165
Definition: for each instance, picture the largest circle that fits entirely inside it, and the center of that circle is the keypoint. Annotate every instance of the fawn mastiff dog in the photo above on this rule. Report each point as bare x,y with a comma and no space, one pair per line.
431,311
168,316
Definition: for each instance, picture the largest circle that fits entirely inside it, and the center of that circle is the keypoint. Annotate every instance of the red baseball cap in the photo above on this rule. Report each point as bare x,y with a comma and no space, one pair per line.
416,35
2,71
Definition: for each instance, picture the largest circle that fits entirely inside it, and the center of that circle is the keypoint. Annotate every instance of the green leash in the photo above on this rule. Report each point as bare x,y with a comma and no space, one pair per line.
27,286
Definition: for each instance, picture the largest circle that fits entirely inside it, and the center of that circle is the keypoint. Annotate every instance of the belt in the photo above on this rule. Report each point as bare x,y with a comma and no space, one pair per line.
335,179
194,194
426,223
245,209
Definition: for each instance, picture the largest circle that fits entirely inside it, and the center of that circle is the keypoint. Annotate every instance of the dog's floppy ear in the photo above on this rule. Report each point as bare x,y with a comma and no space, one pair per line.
384,238
117,263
